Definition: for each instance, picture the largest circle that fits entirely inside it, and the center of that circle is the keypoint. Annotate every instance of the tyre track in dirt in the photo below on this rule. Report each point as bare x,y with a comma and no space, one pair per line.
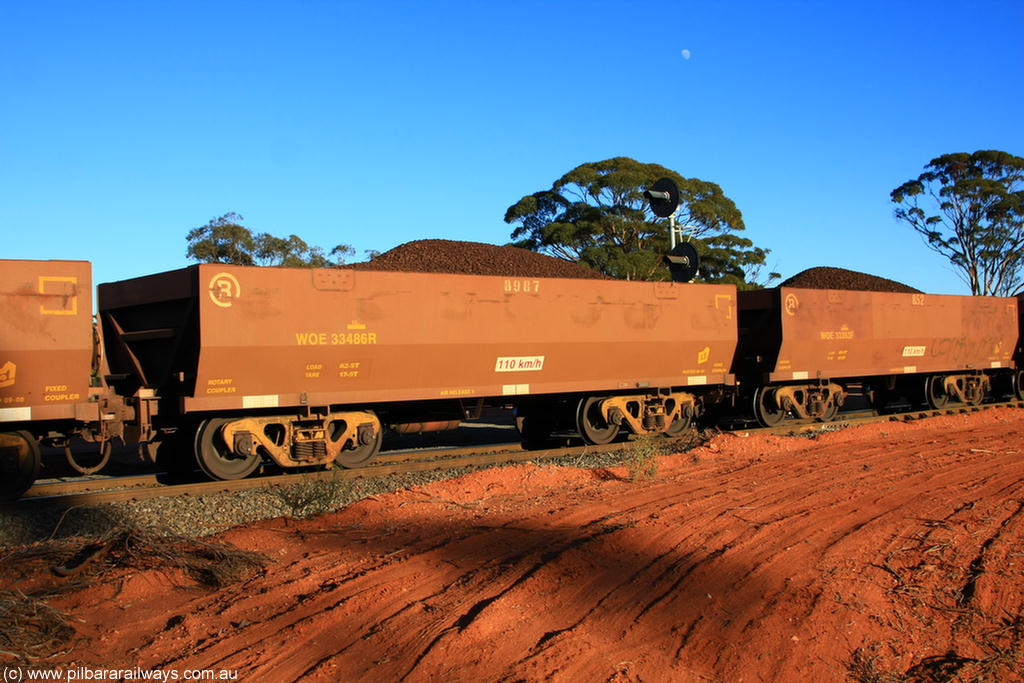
760,558
488,571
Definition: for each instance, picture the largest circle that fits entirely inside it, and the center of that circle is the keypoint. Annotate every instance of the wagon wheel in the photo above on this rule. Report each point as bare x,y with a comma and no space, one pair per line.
19,463
173,453
831,410
767,412
680,424
214,456
358,455
106,447
534,429
591,424
935,392
1018,385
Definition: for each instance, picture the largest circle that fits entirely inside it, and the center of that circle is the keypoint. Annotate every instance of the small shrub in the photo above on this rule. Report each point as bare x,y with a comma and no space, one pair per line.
314,496
642,457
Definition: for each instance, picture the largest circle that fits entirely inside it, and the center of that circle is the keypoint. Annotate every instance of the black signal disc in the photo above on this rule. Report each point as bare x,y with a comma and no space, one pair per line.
683,262
663,208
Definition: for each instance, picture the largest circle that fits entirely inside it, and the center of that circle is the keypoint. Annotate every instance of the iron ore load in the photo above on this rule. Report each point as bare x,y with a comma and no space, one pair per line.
234,367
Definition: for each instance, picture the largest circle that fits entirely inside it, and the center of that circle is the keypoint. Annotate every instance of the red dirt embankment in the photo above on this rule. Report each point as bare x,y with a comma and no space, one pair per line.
888,549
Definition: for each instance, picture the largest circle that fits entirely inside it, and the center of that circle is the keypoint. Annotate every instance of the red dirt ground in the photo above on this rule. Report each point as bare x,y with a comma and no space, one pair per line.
893,548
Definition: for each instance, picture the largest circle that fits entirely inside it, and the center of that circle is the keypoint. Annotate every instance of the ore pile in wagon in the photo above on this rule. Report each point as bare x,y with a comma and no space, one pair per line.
474,258
827,277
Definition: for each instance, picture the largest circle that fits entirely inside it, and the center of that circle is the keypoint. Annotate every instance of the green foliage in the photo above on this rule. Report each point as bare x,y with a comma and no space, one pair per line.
970,209
226,240
732,260
642,457
596,214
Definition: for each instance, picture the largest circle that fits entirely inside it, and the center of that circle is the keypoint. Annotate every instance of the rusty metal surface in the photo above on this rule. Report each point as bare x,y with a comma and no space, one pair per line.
347,428
148,326
645,414
425,427
1018,354
804,334
274,337
46,342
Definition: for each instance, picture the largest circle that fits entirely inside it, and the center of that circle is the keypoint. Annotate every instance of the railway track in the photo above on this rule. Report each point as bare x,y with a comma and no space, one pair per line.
127,484
140,487
96,490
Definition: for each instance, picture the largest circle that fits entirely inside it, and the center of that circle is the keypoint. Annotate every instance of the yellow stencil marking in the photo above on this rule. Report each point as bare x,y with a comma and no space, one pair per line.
728,304
8,373
69,299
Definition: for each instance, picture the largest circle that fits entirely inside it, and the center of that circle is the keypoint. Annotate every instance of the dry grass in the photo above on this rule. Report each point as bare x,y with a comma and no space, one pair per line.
316,496
931,583
208,563
641,453
30,629
864,667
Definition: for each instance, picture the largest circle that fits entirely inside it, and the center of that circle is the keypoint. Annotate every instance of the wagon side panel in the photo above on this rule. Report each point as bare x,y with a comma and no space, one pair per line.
274,337
838,333
46,338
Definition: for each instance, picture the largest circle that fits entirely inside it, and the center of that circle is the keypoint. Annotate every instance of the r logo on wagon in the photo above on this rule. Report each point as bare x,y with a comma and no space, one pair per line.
791,304
224,289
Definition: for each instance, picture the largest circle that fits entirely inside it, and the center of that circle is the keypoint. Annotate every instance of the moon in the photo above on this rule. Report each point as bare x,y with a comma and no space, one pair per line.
686,54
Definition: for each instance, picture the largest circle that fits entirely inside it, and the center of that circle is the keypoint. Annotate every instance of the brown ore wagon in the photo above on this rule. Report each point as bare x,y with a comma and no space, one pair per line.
307,366
799,346
48,354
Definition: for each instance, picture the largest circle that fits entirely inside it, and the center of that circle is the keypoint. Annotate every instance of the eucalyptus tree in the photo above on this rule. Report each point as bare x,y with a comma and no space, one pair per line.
970,209
226,240
596,215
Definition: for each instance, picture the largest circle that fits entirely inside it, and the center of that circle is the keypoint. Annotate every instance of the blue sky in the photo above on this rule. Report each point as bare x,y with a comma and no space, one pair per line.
124,125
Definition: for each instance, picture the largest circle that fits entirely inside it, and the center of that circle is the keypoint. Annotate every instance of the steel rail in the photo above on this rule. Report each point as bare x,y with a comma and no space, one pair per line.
435,459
